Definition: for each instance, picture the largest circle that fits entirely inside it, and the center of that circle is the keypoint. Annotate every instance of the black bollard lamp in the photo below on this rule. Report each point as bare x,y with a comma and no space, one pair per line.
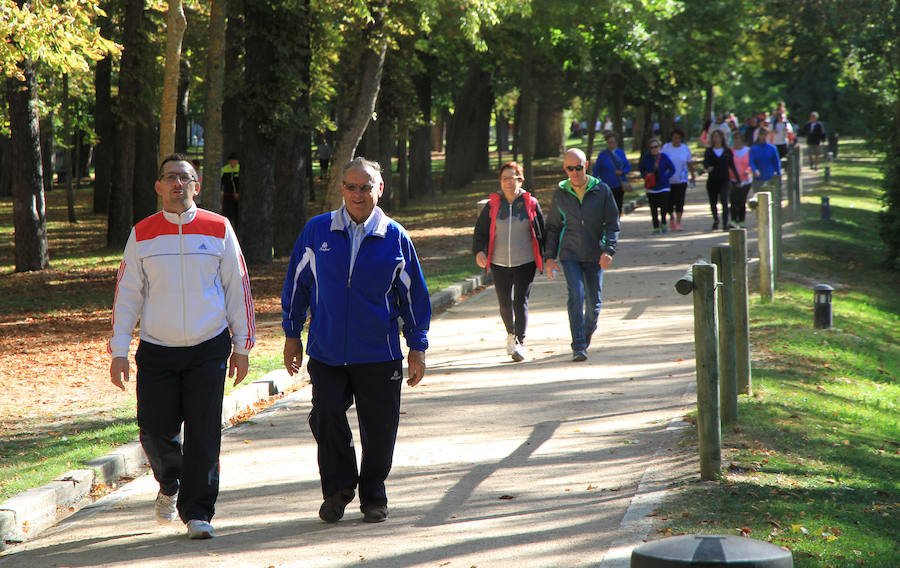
822,306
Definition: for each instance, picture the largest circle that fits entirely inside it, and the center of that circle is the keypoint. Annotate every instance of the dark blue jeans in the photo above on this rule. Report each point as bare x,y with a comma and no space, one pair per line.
584,281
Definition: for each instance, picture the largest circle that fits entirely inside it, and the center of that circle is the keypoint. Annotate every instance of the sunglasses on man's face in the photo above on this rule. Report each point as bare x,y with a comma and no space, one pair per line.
577,168
654,147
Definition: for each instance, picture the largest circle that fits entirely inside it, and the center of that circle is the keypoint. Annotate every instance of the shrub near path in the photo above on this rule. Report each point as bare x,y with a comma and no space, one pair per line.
814,464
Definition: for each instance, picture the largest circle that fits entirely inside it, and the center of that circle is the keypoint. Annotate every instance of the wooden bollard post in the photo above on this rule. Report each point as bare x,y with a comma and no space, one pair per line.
764,225
721,257
789,180
737,238
777,221
706,348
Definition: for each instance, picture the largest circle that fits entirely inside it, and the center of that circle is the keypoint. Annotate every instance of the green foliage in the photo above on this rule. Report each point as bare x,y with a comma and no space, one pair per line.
59,34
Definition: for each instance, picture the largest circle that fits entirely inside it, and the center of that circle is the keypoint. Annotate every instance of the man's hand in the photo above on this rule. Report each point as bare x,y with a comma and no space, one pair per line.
551,268
238,367
605,260
481,259
118,371
293,355
416,363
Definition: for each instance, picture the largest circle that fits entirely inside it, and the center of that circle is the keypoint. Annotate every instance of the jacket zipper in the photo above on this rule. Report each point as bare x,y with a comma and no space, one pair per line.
509,237
183,293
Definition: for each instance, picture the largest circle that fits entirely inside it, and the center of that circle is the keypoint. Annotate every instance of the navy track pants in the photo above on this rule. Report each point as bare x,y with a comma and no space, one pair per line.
183,384
375,388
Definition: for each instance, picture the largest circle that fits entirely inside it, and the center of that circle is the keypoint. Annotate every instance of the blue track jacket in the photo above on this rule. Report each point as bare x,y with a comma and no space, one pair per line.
354,309
764,158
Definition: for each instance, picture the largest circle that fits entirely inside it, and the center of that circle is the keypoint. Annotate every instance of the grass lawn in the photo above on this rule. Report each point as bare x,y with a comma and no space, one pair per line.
814,464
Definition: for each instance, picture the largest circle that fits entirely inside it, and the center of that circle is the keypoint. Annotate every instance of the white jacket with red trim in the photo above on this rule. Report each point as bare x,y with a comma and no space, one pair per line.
185,278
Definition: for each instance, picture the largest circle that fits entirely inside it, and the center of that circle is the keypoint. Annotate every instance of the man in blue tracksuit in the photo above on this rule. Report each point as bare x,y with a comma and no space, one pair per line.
356,271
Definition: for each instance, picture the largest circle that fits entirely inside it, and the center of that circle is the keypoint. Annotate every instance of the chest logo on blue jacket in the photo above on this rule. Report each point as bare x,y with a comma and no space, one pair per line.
202,246
324,247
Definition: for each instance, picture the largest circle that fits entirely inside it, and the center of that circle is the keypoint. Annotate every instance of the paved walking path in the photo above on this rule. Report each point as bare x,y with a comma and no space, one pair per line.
497,463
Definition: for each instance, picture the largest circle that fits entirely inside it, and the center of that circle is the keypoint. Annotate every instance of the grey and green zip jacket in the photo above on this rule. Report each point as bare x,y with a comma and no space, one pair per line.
582,229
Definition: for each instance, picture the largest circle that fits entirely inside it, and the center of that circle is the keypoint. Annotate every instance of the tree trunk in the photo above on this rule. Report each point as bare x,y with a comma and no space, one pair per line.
357,105
29,208
709,106
467,131
259,152
594,115
551,132
291,184
402,192
437,131
175,26
232,111
5,166
71,166
387,135
146,202
666,124
420,182
212,129
497,120
47,138
104,124
619,109
527,121
502,132
182,109
122,191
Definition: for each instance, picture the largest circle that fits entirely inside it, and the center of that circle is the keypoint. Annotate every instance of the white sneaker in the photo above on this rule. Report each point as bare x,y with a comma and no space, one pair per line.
518,353
510,343
164,508
197,529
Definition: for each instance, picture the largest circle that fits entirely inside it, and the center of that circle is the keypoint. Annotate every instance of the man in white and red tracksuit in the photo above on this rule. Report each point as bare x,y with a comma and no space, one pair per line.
184,278
356,272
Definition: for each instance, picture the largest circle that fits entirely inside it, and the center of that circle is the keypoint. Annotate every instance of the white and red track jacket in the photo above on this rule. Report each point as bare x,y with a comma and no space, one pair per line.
185,278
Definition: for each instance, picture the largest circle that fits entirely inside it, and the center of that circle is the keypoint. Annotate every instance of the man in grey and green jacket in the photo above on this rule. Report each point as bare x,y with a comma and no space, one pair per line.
582,231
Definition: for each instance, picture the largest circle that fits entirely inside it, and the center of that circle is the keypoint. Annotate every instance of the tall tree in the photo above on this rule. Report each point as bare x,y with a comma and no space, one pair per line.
121,197
276,68
30,33
215,95
364,60
175,26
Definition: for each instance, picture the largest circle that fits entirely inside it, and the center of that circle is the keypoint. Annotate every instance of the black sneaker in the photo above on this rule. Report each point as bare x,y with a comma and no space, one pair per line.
332,509
715,224
375,514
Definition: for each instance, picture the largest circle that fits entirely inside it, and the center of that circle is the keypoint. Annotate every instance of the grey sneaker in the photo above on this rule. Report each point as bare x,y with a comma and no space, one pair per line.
197,529
510,343
164,508
580,355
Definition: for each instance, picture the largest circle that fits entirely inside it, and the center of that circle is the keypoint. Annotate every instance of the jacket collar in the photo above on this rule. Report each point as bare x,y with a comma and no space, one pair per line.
591,183
376,224
183,218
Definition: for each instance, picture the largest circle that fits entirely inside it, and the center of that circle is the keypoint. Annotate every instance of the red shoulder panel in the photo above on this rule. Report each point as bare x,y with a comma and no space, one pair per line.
204,223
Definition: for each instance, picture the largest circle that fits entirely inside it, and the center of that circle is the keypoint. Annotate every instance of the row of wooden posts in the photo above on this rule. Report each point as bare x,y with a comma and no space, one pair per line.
721,313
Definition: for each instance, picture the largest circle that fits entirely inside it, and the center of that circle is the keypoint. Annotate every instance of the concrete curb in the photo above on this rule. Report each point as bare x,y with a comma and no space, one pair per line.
452,294
25,515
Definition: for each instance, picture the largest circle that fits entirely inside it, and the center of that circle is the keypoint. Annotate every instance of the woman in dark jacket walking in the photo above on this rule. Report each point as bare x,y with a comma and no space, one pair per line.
718,161
657,169
509,237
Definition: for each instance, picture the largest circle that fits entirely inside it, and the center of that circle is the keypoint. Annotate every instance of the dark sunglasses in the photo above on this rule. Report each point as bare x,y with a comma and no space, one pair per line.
577,168
654,147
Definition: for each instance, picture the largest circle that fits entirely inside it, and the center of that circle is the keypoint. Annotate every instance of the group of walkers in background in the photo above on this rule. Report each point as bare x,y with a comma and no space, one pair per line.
512,240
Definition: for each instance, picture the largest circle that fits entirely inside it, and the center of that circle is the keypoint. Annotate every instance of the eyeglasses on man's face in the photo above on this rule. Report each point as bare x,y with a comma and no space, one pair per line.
173,177
577,168
354,188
